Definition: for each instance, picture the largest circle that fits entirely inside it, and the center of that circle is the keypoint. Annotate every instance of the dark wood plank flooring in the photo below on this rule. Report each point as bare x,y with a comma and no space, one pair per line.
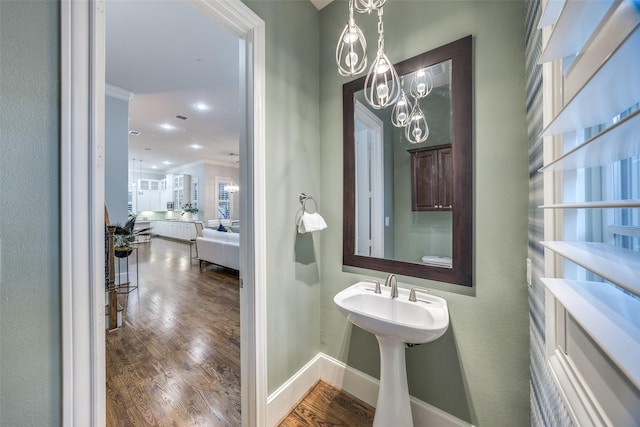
326,405
176,361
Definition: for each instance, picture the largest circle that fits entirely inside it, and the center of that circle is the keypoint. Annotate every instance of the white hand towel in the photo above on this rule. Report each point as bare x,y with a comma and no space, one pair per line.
310,222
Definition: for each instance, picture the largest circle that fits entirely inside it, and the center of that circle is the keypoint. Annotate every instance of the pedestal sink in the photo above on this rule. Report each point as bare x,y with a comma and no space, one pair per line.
394,322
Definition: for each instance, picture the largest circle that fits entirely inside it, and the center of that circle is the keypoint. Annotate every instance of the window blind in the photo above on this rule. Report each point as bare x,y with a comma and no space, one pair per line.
592,189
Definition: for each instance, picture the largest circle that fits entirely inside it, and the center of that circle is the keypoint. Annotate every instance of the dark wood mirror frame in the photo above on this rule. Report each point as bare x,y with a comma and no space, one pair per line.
461,273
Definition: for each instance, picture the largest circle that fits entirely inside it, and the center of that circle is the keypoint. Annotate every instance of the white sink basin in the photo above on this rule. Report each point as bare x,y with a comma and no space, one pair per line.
394,322
411,322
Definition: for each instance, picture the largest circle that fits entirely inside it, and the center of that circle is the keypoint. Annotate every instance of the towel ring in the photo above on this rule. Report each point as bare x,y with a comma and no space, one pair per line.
304,199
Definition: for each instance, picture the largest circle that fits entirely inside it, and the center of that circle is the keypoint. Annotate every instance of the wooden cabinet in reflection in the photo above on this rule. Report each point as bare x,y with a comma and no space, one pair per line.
431,178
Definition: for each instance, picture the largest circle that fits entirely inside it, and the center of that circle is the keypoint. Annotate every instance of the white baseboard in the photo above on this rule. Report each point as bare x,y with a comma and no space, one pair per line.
354,382
281,401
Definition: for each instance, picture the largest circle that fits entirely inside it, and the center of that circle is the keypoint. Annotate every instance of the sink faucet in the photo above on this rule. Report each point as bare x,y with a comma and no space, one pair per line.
393,282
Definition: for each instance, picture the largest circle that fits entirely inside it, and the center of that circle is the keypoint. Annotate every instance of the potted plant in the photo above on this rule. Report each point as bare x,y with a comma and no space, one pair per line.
124,235
190,210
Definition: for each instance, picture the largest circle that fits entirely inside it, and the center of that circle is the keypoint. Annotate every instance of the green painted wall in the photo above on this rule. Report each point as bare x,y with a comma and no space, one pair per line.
293,166
479,370
30,372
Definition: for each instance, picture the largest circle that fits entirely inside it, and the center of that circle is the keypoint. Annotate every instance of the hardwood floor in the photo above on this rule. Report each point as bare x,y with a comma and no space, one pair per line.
326,405
176,361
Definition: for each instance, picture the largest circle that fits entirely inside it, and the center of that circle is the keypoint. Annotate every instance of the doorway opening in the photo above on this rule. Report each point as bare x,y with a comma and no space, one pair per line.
83,199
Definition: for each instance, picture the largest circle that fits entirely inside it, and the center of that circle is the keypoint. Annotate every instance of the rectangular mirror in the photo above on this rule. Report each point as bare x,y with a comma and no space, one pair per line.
408,206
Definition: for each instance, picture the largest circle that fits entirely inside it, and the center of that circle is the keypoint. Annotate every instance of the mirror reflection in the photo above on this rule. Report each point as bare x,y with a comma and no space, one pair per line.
403,172
408,171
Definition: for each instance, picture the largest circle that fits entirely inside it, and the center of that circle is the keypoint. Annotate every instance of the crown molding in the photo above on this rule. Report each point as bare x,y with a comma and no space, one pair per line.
118,93
319,4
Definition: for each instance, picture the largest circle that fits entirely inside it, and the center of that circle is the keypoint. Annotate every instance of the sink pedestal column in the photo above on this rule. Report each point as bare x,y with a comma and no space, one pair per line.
393,408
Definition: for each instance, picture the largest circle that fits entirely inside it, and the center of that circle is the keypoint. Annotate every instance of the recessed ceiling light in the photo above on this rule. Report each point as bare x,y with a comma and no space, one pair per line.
134,132
167,126
202,106
196,146
166,162
154,167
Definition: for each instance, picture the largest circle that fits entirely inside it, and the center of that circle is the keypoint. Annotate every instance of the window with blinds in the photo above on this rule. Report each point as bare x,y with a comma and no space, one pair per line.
592,206
223,198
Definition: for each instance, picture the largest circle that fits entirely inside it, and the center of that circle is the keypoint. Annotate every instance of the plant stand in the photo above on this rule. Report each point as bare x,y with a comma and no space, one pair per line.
125,288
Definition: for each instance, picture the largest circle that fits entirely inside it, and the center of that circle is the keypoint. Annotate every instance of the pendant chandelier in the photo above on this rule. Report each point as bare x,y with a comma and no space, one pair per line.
402,109
382,86
351,51
416,130
416,127
232,187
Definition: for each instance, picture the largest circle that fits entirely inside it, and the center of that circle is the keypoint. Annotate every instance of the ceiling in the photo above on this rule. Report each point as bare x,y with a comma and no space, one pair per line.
166,57
170,57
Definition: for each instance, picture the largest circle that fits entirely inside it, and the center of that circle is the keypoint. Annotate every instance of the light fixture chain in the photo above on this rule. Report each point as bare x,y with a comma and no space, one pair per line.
380,29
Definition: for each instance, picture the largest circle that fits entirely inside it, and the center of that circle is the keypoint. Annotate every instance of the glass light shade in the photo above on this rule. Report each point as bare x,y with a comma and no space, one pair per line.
382,85
421,84
401,111
351,51
366,6
416,130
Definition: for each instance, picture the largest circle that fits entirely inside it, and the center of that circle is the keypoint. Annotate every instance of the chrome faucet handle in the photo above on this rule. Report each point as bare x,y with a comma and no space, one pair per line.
412,293
377,288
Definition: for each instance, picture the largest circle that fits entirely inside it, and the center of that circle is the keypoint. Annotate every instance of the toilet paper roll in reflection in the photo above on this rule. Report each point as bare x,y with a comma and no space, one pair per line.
437,261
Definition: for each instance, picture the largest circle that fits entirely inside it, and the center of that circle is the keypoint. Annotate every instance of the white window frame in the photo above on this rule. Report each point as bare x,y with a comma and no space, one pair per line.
223,180
598,390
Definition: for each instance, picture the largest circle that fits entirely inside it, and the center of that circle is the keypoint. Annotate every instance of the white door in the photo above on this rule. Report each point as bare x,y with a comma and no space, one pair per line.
369,183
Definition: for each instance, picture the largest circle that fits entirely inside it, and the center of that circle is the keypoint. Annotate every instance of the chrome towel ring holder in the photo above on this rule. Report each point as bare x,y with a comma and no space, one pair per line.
303,201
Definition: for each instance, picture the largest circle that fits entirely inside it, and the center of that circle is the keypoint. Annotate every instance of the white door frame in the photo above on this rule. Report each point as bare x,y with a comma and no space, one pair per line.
375,128
82,90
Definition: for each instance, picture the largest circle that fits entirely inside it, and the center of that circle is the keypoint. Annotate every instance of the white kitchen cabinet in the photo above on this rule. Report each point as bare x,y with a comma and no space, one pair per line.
148,195
179,230
181,190
148,200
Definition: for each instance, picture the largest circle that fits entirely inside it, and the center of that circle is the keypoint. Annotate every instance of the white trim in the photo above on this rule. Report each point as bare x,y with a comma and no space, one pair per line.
241,20
320,4
118,93
354,382
179,169
82,203
581,351
287,396
582,407
375,171
82,207
258,292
